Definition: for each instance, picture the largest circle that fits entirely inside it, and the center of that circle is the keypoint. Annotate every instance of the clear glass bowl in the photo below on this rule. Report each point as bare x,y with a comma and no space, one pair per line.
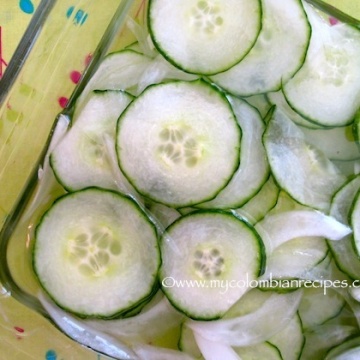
33,93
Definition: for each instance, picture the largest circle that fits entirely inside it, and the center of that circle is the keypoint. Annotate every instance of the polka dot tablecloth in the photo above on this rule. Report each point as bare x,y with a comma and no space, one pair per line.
55,66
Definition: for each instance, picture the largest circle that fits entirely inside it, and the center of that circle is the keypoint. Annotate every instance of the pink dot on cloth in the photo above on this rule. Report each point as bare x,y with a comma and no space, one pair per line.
63,101
19,329
75,76
333,21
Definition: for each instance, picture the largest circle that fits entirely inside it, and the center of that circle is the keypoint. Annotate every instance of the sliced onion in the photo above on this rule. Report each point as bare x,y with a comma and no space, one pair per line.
215,350
277,229
253,328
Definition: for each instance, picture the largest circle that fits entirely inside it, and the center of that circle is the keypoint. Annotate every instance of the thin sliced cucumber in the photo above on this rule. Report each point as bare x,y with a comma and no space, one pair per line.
326,90
81,159
355,223
290,341
281,47
294,260
215,34
343,251
316,307
300,169
179,143
321,339
203,251
348,168
338,352
164,214
254,167
336,143
259,205
263,350
96,253
277,98
259,102
120,70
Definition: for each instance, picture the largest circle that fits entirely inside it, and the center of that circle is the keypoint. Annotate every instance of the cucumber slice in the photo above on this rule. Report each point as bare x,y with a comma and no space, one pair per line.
281,47
355,223
259,205
264,350
179,143
277,98
201,252
120,70
336,143
290,341
215,34
331,71
100,262
164,214
320,340
294,260
259,102
343,251
316,307
254,167
338,352
81,159
299,168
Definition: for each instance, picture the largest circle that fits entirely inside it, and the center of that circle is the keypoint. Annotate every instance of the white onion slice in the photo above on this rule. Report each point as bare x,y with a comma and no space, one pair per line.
277,229
252,328
215,350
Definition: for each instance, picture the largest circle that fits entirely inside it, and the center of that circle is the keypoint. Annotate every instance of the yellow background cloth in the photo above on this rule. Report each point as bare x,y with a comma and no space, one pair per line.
23,333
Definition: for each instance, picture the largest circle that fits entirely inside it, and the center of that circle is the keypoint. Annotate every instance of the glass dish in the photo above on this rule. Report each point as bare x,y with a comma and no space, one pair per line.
76,46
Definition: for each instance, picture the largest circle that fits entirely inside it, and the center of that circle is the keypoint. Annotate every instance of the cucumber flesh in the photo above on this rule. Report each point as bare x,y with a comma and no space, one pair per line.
281,47
208,248
111,249
259,205
295,259
216,35
355,223
254,168
331,71
300,169
179,143
338,351
312,310
277,98
82,159
336,143
290,341
120,70
343,251
264,350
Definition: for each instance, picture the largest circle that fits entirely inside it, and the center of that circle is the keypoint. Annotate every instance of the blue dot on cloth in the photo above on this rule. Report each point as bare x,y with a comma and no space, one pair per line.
26,6
50,355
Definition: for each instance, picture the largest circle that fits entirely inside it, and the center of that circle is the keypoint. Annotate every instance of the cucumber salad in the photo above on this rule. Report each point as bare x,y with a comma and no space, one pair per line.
210,189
